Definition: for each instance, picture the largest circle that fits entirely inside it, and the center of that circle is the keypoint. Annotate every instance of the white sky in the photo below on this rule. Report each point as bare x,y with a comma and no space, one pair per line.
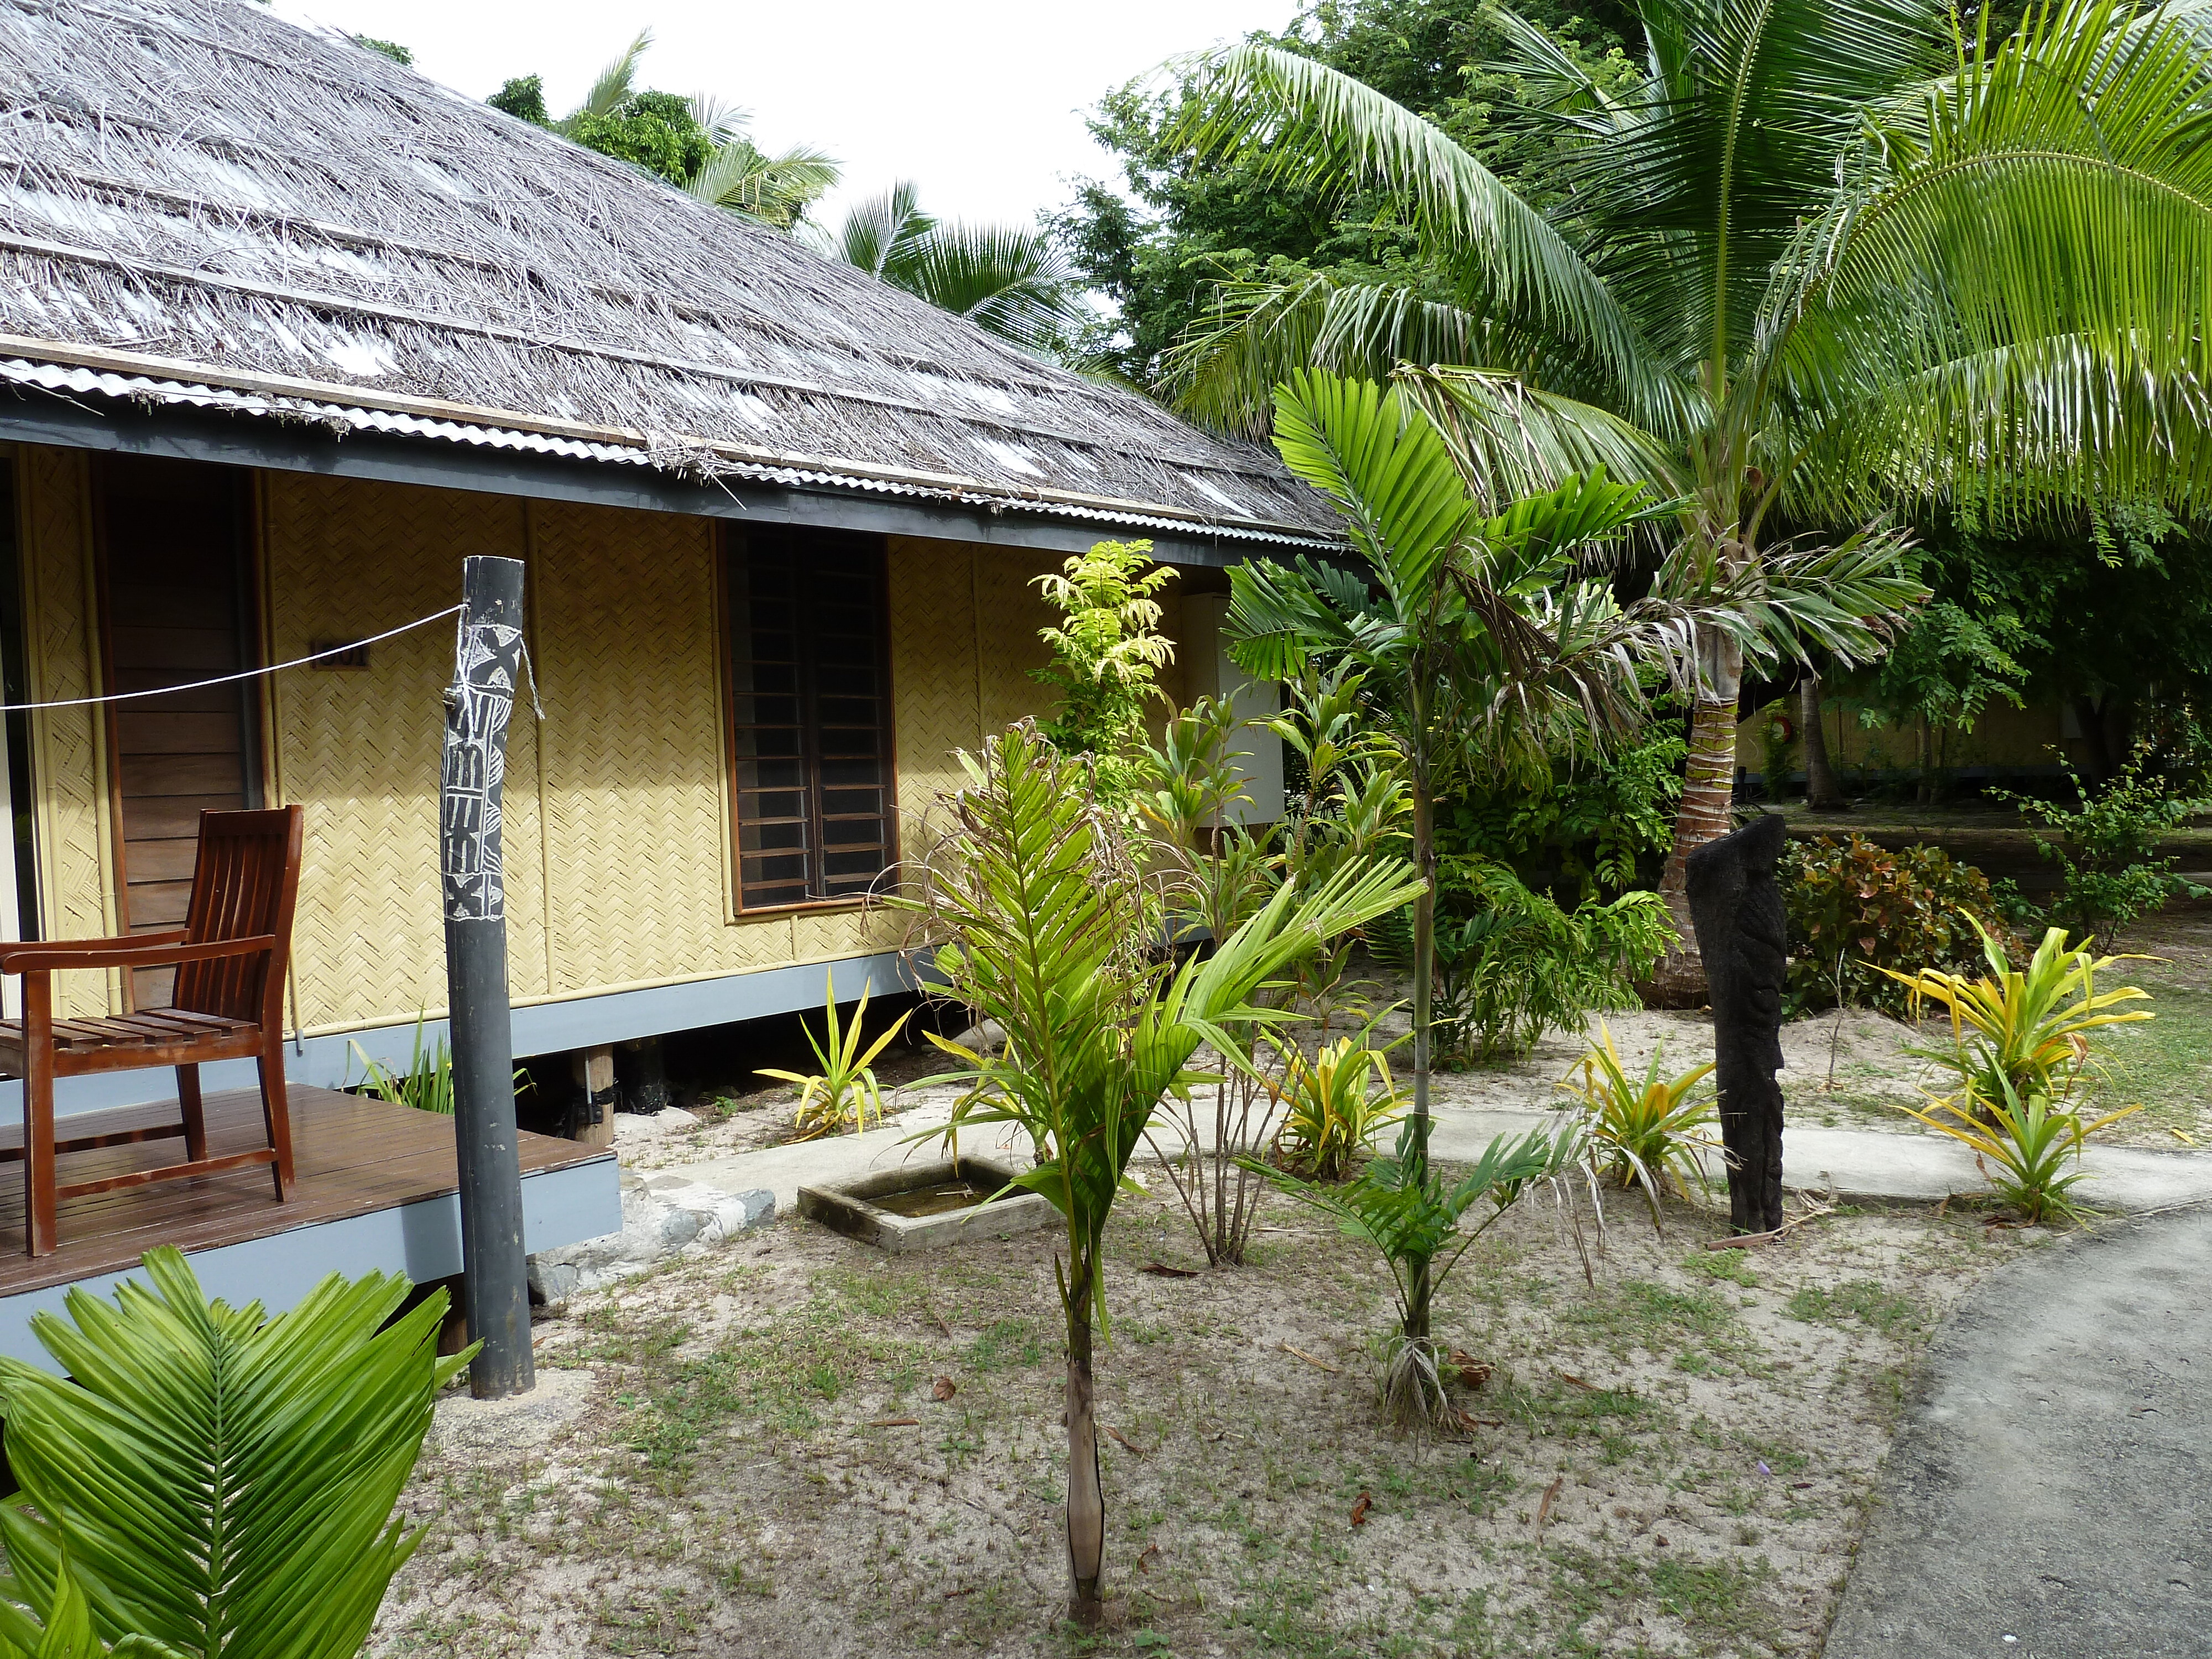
980,102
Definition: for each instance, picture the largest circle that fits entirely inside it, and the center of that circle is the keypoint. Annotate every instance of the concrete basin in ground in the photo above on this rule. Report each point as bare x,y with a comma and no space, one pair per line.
866,1207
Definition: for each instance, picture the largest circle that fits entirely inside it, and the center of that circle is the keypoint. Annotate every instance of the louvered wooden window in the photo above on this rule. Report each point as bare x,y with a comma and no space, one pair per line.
810,715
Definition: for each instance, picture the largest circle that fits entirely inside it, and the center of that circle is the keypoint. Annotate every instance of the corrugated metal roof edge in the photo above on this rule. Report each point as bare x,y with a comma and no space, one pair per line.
127,376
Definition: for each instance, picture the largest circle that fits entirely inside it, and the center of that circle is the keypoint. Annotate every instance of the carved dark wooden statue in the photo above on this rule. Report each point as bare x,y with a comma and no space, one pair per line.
1736,908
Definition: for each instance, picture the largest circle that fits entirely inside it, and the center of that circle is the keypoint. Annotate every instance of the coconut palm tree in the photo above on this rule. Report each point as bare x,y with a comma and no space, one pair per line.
1827,255
1489,639
1009,280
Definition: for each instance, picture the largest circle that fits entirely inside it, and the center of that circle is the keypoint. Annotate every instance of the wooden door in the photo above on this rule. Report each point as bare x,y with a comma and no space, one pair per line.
173,583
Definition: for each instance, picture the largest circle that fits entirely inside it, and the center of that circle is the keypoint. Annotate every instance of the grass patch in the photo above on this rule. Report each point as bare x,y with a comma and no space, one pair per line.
1890,1312
1713,1599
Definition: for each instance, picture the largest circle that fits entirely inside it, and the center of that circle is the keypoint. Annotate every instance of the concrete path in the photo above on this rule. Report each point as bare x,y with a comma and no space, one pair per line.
2051,1495
1856,1163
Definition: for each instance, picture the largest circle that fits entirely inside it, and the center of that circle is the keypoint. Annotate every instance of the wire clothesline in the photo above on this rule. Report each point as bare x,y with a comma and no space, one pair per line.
246,674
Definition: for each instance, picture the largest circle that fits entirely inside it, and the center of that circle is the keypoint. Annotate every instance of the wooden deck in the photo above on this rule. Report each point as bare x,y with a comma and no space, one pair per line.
355,1157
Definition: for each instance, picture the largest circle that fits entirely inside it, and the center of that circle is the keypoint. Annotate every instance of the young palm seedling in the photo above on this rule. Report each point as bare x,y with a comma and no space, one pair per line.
844,1090
1411,1214
1036,913
1651,1130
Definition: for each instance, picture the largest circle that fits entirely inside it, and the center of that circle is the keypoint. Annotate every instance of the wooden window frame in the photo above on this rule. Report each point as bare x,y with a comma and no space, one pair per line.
730,542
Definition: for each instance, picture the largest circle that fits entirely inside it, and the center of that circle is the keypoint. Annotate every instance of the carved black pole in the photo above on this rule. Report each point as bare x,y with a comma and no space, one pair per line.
1737,907
487,665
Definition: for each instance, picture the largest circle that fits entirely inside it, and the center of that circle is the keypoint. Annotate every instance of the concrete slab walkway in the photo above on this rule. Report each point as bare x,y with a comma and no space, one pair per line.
2051,1495
1858,1163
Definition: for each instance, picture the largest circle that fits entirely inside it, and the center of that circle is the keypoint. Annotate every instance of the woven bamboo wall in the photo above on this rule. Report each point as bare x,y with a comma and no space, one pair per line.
617,837
76,853
342,560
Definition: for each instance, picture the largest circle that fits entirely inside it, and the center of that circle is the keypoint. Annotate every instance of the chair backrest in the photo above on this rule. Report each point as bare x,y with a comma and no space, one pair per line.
245,881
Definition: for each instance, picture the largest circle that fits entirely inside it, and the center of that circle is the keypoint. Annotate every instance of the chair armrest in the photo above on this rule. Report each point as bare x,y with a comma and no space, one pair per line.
162,950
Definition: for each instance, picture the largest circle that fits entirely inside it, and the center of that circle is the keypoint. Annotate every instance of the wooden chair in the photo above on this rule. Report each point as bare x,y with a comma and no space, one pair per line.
227,1004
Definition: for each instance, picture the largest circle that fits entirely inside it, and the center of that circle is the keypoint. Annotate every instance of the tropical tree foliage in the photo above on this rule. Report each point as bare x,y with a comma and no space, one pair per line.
1486,633
1007,279
1817,258
1041,917
699,144
1156,240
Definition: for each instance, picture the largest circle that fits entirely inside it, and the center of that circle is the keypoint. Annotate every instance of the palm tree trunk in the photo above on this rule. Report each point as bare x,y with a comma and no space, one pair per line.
1424,971
1822,793
1086,1495
1708,791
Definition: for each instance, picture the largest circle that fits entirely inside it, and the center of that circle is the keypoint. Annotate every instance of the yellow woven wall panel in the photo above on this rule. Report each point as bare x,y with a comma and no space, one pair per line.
75,851
634,787
1011,611
345,559
933,674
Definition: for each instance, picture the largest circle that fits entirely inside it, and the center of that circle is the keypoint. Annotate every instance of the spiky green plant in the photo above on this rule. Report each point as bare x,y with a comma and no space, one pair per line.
2029,1139
218,1480
844,1090
1652,1130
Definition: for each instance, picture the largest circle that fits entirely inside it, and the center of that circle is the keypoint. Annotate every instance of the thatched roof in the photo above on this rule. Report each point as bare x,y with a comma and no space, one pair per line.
227,210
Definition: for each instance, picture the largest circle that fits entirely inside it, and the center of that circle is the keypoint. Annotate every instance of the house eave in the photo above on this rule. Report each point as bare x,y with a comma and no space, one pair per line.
68,370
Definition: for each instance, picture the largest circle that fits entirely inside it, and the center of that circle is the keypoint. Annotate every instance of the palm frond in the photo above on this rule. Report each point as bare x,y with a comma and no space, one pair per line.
1008,279
882,233
1511,439
615,83
775,190
1386,467
219,1481
1298,120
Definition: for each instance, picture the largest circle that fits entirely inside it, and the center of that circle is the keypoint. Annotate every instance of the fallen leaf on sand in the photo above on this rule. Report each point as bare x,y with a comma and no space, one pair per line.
1164,1271
1472,1371
1145,1561
1123,1440
1360,1510
944,1389
1300,1353
1551,1497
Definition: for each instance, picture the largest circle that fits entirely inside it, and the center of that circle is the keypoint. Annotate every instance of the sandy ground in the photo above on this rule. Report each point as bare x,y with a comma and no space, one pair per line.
748,1452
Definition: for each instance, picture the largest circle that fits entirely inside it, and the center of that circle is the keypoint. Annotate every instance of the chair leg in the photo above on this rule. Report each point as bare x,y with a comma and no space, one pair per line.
41,1227
188,1102
276,1116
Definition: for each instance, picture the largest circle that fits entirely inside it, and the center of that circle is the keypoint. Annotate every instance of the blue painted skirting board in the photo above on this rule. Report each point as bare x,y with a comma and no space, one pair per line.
546,1028
422,1240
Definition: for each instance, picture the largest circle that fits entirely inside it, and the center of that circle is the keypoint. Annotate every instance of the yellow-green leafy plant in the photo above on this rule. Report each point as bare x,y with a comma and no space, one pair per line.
2029,1138
211,1479
844,1090
1653,1130
1334,1104
2025,1033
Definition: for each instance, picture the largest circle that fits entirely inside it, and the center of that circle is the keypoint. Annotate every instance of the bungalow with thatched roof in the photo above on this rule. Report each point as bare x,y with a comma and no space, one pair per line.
287,330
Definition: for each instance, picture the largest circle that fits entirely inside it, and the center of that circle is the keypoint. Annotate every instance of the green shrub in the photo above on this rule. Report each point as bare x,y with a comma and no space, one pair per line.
1592,822
1856,909
2107,848
1512,965
1778,748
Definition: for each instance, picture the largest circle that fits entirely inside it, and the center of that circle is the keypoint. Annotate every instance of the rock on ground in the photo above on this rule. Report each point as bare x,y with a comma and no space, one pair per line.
664,1216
